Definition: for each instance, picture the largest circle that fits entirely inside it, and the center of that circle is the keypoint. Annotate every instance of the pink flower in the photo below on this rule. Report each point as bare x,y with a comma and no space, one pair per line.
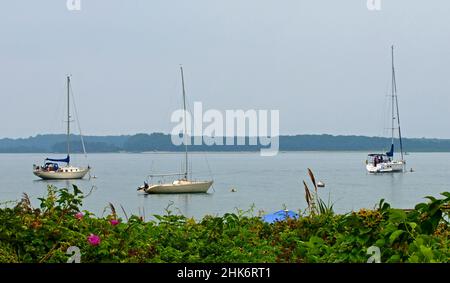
79,215
114,222
93,240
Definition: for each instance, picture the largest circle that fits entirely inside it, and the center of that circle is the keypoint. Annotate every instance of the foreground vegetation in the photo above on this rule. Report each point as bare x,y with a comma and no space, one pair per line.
44,234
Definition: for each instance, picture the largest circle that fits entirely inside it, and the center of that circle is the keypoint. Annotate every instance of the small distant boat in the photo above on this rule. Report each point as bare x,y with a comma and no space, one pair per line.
384,162
183,184
51,170
320,184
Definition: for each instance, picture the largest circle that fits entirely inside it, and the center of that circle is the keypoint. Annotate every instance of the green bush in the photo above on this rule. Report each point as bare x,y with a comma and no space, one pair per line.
44,234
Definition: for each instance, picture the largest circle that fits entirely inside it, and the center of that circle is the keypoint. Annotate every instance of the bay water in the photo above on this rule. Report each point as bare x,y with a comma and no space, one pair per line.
244,181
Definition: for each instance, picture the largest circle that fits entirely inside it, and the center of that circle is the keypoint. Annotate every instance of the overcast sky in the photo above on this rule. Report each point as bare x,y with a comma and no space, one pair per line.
325,65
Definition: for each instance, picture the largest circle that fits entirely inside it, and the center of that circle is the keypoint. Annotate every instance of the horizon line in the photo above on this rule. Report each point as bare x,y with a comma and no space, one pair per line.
168,134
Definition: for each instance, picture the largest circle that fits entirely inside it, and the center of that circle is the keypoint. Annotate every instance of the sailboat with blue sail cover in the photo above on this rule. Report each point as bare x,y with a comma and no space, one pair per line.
385,162
52,170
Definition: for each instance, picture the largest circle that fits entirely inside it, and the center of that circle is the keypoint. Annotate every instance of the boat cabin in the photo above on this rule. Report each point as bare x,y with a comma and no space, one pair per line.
377,158
50,166
54,167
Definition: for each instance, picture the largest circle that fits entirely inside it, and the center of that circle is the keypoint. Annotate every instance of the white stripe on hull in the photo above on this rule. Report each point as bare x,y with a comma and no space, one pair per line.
192,187
52,175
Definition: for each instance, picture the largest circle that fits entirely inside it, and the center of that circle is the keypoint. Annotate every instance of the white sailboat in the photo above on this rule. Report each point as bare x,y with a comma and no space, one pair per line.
182,184
51,170
385,162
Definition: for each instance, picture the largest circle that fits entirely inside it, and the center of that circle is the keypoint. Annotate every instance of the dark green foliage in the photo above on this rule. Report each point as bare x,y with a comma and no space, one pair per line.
43,234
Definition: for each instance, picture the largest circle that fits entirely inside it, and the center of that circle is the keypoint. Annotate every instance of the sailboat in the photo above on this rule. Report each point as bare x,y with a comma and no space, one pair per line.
51,170
182,184
385,162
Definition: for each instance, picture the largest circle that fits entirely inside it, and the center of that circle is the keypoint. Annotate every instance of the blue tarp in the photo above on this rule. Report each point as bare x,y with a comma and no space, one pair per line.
66,160
279,216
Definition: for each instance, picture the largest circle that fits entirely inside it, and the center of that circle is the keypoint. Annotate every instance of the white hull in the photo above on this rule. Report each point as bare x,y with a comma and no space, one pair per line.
386,167
60,175
179,187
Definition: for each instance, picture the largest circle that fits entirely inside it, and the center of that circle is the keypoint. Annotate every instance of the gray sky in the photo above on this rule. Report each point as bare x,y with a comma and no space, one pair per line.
324,64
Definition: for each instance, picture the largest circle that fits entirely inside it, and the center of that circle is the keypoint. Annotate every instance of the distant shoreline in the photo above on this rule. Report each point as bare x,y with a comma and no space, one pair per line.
220,152
162,143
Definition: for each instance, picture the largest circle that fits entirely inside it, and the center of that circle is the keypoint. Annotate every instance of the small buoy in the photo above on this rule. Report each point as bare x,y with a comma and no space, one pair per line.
320,184
233,190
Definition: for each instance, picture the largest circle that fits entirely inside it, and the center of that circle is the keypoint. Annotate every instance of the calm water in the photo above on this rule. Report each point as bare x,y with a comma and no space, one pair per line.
270,183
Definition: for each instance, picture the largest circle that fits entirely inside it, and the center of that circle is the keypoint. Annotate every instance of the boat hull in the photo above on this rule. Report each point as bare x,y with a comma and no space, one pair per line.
188,188
386,167
53,175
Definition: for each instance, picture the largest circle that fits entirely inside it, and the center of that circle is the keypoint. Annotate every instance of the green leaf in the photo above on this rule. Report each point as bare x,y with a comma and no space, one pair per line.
426,227
395,235
427,252
397,215
413,225
433,199
421,206
365,230
315,240
76,190
380,242
413,259
383,206
446,194
394,259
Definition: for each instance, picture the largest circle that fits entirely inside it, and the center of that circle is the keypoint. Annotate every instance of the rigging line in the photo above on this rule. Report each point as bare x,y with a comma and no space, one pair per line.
188,139
384,118
393,96
79,129
185,135
398,112
78,122
188,107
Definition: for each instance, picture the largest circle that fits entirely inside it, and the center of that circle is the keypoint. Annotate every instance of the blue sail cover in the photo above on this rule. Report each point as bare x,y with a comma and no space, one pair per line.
391,152
66,160
279,216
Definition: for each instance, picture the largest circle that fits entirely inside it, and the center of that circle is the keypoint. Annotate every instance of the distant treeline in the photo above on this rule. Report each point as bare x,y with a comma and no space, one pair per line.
162,142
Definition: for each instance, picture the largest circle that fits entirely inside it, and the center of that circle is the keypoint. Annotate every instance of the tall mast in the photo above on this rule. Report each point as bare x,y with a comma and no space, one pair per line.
68,116
185,126
394,92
